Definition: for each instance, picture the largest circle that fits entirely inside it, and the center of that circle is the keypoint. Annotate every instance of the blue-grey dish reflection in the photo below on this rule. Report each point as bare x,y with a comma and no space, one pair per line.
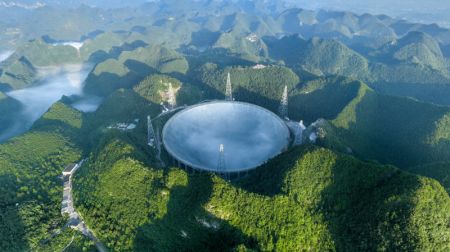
251,135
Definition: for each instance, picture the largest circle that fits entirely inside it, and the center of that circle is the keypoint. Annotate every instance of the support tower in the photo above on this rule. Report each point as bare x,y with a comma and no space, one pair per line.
299,133
150,132
228,91
172,100
283,110
221,165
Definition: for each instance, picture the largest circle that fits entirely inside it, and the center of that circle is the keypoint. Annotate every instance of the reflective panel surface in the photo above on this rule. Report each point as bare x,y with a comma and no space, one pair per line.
250,135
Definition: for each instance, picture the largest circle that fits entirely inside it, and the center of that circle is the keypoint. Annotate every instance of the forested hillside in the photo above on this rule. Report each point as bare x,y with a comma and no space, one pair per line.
307,198
8,106
133,66
31,187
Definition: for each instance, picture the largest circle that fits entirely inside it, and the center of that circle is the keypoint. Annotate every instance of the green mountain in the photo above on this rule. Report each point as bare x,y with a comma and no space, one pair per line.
155,89
396,130
31,191
320,57
8,109
392,130
249,47
415,48
390,71
42,54
307,198
21,69
133,66
259,86
438,171
17,74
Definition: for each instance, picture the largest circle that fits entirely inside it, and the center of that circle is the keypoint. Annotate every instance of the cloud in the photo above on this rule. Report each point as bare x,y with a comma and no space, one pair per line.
54,83
5,54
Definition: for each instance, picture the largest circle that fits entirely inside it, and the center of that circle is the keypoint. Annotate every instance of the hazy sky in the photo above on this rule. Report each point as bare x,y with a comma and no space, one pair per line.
425,11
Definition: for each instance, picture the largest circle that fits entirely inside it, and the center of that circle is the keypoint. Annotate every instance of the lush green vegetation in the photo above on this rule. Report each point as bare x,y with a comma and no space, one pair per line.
18,74
132,67
413,66
70,240
8,109
321,57
155,89
392,130
41,54
395,130
30,166
438,171
308,198
259,86
20,70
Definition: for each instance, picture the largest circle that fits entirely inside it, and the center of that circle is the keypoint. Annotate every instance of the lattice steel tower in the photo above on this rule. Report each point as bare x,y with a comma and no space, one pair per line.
150,132
228,91
158,142
300,127
283,110
172,99
221,166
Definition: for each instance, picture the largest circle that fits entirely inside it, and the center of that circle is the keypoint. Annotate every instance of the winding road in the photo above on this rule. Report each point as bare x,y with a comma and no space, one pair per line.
75,220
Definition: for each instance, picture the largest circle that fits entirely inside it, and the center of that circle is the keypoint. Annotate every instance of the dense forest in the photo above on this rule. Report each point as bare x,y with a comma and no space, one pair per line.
31,189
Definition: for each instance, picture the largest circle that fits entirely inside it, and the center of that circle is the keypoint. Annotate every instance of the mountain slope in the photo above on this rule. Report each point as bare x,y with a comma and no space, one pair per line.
394,130
21,69
31,190
307,198
321,57
131,67
416,48
259,86
8,110
17,74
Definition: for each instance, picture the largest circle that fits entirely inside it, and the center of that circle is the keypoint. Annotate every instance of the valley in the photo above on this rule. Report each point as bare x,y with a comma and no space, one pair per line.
52,84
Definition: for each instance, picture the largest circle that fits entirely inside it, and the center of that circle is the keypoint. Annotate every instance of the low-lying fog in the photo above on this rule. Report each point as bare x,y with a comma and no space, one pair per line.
4,55
54,83
76,45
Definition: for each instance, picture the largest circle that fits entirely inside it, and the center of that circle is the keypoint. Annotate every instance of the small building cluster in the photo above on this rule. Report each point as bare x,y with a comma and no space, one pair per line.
252,38
259,66
124,126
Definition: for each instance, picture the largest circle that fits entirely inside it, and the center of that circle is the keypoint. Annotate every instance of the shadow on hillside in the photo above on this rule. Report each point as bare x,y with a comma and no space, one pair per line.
106,83
12,228
204,38
140,68
368,208
245,95
114,53
126,47
268,179
187,226
394,130
324,102
121,106
220,56
4,87
432,93
58,127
